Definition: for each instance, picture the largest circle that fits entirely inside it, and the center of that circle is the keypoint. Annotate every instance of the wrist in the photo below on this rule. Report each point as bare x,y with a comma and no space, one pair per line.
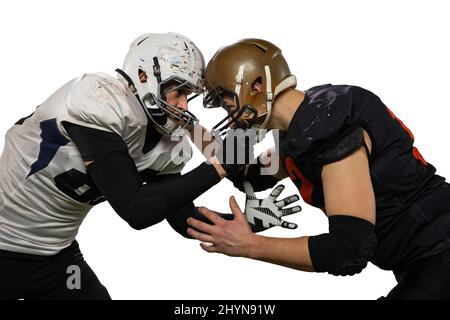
255,245
220,170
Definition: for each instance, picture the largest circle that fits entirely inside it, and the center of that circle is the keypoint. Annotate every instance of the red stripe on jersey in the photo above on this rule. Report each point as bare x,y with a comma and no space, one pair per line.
418,156
304,185
416,153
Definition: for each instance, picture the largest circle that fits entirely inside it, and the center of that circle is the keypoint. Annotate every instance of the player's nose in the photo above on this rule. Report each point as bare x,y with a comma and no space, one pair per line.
183,102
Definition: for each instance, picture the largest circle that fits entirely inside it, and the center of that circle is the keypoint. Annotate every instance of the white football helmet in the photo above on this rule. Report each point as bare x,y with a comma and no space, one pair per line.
171,62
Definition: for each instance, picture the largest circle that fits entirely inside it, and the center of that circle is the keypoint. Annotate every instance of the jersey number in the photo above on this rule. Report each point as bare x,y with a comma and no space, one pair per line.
75,184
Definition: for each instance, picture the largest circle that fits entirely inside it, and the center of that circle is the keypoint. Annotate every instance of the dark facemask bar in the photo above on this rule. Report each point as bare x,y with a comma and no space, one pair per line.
221,130
215,99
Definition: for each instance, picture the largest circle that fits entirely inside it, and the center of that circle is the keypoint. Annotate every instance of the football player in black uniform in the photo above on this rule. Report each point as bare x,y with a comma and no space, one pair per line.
350,156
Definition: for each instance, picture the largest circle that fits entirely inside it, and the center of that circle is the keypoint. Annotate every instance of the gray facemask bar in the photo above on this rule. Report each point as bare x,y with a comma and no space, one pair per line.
158,115
185,116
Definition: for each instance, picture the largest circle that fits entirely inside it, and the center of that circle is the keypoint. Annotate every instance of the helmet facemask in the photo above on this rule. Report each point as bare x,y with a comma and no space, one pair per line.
171,62
166,116
237,117
256,72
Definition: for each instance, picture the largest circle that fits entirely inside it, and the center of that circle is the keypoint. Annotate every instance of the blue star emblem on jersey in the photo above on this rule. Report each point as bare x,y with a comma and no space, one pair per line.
52,140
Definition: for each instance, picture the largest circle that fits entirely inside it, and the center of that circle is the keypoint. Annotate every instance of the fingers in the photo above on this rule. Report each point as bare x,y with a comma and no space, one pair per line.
235,209
248,188
199,235
208,247
211,215
268,225
288,211
288,225
276,191
200,225
287,201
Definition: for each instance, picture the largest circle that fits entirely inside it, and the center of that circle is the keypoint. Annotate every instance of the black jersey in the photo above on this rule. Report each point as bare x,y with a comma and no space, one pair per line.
412,202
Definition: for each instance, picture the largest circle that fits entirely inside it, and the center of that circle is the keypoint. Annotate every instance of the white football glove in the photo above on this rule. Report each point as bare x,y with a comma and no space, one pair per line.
265,213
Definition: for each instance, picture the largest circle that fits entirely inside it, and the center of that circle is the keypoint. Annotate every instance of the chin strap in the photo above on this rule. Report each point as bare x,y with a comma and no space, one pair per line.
133,90
289,82
130,82
160,123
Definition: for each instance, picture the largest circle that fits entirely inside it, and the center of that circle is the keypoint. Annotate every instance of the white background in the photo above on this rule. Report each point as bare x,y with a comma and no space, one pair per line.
399,50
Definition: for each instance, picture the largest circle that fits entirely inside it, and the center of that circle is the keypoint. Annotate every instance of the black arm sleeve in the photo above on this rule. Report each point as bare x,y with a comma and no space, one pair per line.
115,175
93,143
178,220
258,181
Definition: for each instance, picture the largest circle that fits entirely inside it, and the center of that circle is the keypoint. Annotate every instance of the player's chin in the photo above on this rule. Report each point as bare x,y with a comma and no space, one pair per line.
183,124
175,114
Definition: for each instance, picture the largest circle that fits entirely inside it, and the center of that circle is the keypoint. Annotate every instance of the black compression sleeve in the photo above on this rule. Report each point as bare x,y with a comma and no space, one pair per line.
113,171
258,181
93,143
116,176
155,201
178,220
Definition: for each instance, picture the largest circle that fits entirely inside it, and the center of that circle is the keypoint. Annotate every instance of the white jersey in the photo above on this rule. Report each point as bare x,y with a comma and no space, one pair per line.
45,192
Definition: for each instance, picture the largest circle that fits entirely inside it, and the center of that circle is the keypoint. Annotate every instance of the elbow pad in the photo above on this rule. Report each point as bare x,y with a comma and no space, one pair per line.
346,249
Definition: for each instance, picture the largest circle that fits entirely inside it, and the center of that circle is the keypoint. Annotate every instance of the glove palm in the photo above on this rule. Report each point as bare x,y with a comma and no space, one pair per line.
265,213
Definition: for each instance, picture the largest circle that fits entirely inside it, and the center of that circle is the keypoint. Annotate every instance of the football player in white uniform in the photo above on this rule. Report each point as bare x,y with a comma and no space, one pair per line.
99,138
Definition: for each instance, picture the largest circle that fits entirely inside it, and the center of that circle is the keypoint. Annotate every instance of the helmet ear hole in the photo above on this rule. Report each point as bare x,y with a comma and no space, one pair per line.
142,76
257,85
